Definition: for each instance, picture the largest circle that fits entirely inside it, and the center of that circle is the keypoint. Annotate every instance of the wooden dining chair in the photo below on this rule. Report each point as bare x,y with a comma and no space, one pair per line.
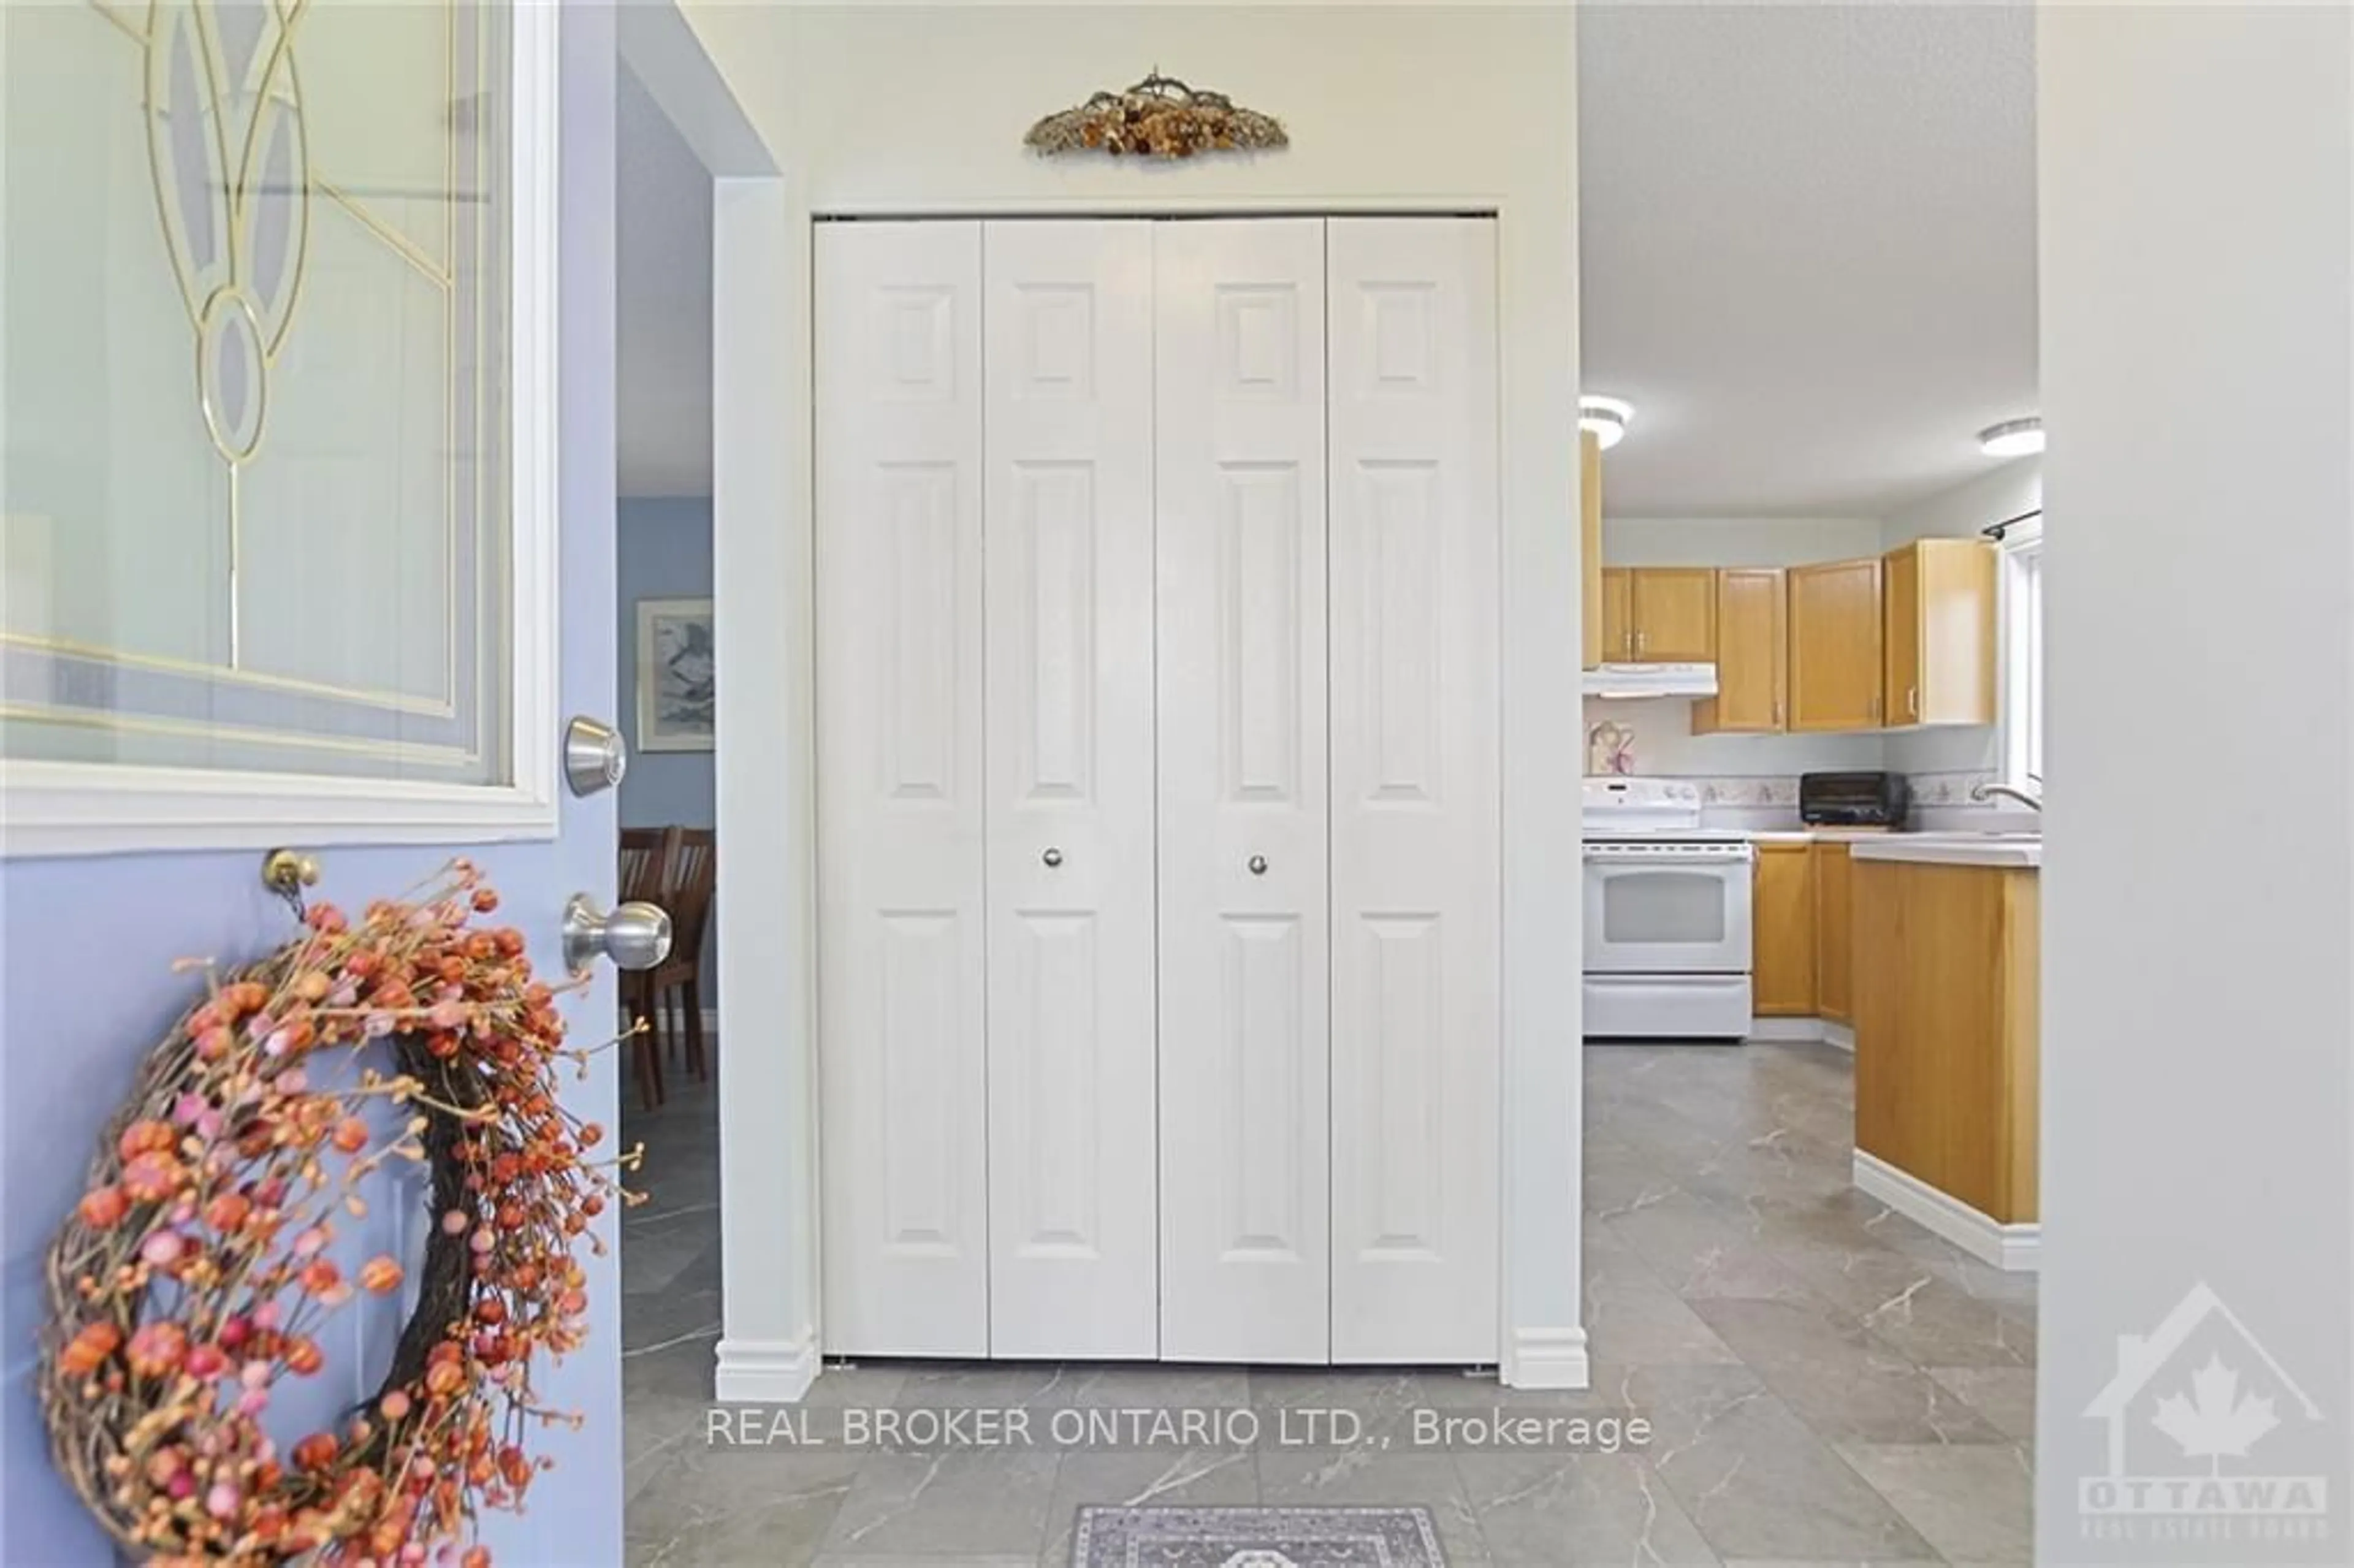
692,869
646,874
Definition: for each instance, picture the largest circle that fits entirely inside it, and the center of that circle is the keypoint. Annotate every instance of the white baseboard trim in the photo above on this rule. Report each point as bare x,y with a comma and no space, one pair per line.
766,1372
2013,1248
1803,1030
1546,1358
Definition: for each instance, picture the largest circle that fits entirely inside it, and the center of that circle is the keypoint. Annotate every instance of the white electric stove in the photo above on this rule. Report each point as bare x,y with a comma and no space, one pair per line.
1666,915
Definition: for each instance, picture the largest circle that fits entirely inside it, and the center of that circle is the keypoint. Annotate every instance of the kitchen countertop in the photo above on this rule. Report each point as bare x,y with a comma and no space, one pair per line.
2016,852
1814,835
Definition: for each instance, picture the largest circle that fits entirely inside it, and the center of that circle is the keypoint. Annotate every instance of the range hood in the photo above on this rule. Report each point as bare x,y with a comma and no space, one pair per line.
1651,680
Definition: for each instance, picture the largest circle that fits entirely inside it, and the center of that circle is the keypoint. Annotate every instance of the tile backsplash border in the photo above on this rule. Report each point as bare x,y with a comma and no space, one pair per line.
1940,790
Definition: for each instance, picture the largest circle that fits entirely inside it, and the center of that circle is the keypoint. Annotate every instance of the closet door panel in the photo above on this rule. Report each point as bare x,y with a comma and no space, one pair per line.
1415,835
1239,464
900,947
1068,620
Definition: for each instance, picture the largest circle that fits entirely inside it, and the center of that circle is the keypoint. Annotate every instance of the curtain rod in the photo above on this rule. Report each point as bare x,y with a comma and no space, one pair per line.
1996,530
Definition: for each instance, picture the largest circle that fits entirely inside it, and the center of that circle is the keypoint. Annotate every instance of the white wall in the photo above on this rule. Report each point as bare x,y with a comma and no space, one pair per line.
1959,512
1664,744
1733,541
2198,382
902,110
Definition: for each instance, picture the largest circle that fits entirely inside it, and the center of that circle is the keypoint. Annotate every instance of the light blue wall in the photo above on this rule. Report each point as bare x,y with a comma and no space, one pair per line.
87,948
665,553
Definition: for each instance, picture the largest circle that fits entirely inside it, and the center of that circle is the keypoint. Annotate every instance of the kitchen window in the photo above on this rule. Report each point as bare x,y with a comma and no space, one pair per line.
2022,757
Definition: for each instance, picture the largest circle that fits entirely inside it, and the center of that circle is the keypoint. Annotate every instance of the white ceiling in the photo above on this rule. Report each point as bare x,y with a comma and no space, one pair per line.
1808,249
663,200
1809,257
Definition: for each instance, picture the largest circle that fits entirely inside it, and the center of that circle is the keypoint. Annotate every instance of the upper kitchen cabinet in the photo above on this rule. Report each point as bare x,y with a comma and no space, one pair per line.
1835,645
1672,614
1615,585
1751,654
1937,632
1658,615
1589,498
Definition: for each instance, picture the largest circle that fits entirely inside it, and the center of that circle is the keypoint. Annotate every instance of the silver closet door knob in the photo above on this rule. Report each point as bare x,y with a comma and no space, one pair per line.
635,936
1259,865
1052,857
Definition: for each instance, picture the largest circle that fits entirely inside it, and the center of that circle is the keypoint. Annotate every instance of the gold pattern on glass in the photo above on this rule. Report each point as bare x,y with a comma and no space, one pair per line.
246,735
230,163
239,278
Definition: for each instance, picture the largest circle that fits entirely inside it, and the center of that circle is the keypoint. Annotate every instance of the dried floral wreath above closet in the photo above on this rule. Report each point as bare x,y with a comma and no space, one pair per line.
1160,117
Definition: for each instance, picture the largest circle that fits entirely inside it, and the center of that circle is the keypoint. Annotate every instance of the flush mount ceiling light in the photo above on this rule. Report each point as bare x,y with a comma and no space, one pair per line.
1607,417
2012,437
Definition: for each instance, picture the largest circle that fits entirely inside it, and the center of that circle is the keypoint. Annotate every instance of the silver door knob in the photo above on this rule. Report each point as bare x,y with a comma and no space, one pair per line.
595,756
635,936
1259,865
1052,857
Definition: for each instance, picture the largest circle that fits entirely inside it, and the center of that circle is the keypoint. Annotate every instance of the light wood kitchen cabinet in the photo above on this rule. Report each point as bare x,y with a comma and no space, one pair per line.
1752,654
1589,503
1617,615
1659,615
1781,927
1674,614
1947,992
1835,645
1937,632
1834,932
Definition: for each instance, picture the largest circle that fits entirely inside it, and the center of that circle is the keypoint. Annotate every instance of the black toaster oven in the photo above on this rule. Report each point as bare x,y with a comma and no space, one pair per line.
1853,799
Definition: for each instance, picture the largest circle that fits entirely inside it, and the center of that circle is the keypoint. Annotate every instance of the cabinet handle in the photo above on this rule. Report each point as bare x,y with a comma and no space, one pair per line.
1052,857
1257,864
1641,640
1913,701
1875,708
1777,713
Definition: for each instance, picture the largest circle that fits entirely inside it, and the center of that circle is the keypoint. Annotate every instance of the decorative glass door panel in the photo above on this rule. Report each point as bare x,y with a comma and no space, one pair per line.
259,488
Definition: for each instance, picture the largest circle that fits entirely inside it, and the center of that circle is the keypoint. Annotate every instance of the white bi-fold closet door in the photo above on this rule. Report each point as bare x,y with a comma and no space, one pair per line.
1158,862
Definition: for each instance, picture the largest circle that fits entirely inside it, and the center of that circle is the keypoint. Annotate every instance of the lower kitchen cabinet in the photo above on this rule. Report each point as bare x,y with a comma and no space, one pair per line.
1834,932
1782,924
1946,1047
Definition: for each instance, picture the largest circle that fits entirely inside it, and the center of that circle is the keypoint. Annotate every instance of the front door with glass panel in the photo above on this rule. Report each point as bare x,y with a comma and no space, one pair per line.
277,524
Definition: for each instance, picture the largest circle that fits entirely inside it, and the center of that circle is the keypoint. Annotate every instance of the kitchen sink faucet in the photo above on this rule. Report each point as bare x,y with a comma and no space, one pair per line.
1991,788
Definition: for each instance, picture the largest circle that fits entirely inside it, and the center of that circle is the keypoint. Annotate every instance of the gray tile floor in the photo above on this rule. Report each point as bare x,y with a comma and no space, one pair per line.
1827,1381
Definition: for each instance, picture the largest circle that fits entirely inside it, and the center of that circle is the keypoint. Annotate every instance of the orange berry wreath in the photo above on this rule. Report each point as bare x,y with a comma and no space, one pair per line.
194,1275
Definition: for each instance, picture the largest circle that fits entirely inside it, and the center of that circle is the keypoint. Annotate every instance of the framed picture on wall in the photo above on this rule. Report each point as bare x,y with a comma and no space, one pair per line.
675,711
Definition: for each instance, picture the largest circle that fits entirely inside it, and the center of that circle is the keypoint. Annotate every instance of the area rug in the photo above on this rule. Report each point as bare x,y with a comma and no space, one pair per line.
1256,1538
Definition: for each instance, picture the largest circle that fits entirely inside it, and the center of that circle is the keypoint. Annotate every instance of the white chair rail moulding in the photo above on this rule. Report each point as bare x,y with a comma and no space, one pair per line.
56,806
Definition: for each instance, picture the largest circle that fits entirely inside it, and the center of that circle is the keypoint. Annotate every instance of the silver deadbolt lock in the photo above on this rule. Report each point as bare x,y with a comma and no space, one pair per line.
595,755
635,935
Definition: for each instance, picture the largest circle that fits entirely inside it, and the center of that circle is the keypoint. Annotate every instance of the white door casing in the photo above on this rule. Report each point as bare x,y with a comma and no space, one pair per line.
900,944
1068,609
1416,918
1240,480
